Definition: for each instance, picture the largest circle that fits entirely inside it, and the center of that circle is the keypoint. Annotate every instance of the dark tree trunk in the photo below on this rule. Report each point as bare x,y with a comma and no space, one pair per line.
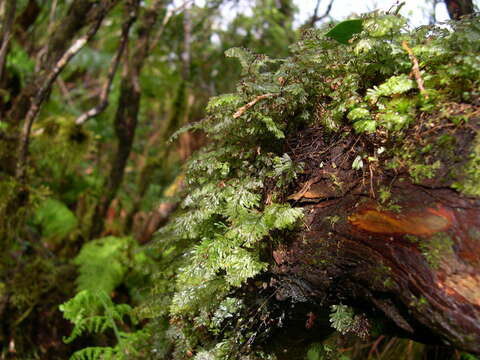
458,8
126,116
411,262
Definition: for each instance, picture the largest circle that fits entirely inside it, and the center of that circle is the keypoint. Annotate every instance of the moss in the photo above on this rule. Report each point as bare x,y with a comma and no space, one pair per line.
469,185
333,219
436,248
474,233
422,301
420,172
388,283
412,238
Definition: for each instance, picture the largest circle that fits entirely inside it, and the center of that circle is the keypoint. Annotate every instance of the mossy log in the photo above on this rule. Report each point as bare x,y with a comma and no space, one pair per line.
403,252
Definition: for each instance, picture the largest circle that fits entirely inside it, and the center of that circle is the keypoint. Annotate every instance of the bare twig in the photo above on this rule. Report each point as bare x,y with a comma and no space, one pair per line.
42,92
65,92
166,19
52,16
247,106
315,17
95,111
415,68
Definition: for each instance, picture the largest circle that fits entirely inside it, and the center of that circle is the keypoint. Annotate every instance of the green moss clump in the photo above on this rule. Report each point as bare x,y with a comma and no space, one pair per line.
436,248
470,184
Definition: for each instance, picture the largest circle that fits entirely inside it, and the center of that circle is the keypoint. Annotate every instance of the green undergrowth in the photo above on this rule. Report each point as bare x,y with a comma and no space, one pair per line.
235,207
103,265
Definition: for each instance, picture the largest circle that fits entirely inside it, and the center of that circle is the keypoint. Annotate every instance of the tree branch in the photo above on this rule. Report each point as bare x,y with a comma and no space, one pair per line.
42,92
415,68
126,116
166,19
80,13
8,20
315,17
95,111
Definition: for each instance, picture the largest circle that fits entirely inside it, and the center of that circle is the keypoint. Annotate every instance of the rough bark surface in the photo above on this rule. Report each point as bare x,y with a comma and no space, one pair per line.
458,8
413,260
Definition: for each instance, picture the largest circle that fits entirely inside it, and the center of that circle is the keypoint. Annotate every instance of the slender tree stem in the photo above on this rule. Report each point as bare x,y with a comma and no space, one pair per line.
103,103
39,97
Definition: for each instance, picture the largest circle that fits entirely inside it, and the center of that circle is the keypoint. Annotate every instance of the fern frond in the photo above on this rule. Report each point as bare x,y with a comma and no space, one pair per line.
94,274
94,313
94,353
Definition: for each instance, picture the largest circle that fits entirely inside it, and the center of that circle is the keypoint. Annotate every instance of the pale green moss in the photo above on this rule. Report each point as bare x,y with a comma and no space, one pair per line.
436,248
470,184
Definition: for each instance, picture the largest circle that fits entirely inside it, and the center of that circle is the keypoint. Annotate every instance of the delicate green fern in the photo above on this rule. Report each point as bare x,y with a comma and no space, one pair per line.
101,264
94,353
233,205
94,313
342,318
55,219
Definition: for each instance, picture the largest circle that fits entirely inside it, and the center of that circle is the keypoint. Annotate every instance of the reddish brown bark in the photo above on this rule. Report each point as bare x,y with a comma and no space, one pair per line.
458,8
412,261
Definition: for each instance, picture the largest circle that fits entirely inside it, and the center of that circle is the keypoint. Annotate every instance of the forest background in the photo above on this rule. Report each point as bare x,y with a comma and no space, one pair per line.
91,93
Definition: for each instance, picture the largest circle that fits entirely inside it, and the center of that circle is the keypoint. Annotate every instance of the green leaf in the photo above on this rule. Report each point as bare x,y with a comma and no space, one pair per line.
359,114
345,30
365,126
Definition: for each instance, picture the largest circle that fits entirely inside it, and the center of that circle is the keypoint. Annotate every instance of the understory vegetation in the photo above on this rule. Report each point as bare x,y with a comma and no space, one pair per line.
199,287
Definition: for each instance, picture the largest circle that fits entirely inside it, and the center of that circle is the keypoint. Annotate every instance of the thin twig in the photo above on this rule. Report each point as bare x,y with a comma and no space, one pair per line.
65,92
95,111
315,17
166,19
41,94
245,107
52,16
415,68
374,347
371,181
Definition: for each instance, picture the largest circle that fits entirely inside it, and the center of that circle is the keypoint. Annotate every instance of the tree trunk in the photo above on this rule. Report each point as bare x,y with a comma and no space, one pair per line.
458,8
126,117
409,257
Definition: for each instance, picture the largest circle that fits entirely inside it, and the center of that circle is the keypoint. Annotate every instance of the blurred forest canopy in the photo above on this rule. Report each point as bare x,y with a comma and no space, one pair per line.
92,164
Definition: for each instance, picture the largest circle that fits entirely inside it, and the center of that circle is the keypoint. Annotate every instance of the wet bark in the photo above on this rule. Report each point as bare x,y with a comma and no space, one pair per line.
410,263
458,8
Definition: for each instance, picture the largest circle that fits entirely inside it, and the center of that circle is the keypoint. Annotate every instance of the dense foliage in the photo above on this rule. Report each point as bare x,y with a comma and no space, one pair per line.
236,203
75,207
74,222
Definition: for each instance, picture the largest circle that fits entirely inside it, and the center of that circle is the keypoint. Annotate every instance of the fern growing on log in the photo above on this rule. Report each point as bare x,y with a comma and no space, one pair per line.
237,186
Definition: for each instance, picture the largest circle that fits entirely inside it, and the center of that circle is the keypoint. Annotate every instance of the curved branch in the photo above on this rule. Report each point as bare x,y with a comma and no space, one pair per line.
102,105
41,94
315,17
8,20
